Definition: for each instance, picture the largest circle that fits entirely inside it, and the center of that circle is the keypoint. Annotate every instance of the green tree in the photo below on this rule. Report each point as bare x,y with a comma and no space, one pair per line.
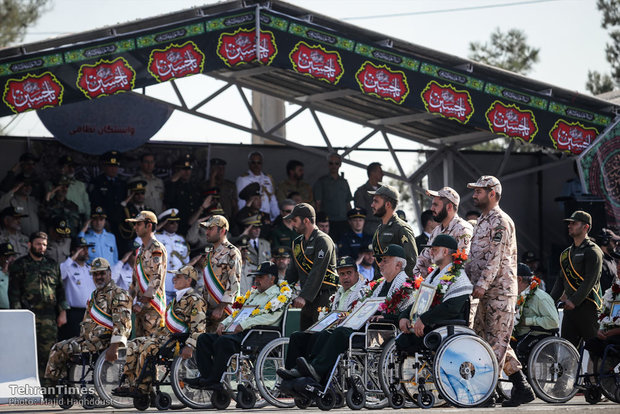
598,83
508,51
16,16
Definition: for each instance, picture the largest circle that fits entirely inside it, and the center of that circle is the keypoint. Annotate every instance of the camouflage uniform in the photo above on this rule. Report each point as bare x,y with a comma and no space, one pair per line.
458,228
154,258
191,309
94,337
37,286
493,266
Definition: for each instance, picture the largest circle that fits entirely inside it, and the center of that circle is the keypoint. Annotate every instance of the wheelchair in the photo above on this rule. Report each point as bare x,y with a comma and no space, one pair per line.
550,364
454,365
604,376
78,386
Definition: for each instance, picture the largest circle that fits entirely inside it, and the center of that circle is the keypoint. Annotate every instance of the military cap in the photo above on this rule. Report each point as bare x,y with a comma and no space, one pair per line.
61,227
524,270
12,212
185,162
443,240
345,261
252,189
242,242
580,215
28,156
99,264
217,161
217,221
21,178
66,160
393,250
62,180
137,186
77,242
487,181
366,248
322,217
529,256
302,210
216,209
446,192
356,212
111,158
386,191
7,249
188,271
212,191
144,215
98,212
253,220
281,253
401,215
172,214
266,268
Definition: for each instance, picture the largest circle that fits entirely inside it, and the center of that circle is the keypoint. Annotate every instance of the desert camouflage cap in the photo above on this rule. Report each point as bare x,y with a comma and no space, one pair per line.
487,181
386,191
447,192
143,216
188,271
217,221
99,264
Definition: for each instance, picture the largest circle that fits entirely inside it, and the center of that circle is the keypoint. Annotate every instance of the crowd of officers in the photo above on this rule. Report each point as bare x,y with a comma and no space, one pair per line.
253,241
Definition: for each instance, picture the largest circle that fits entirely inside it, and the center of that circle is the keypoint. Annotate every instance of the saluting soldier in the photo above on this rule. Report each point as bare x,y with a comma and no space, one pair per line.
391,230
149,276
492,268
176,246
251,194
222,272
258,251
314,254
184,314
106,323
59,242
267,188
225,189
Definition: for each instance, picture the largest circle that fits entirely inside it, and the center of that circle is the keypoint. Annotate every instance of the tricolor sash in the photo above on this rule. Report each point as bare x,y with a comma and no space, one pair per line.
213,285
574,279
305,264
98,315
173,322
159,298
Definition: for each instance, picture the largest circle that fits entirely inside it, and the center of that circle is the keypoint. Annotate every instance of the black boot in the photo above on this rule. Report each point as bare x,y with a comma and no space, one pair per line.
521,391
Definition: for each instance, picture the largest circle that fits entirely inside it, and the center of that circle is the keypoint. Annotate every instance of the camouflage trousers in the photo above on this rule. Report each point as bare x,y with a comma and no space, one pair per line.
138,350
493,322
61,353
148,321
47,335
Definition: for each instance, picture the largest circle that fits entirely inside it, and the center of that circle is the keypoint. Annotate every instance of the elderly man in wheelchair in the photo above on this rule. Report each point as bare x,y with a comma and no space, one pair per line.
106,324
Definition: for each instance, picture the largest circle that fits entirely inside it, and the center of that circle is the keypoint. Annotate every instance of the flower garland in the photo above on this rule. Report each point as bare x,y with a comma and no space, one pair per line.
606,321
390,304
445,281
324,310
272,306
524,297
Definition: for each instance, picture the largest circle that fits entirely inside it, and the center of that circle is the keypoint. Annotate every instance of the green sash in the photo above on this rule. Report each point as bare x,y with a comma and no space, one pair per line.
574,279
305,264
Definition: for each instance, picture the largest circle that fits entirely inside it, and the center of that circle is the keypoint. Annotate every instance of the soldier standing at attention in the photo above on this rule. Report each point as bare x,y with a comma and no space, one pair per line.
579,285
391,230
314,254
149,276
492,268
176,247
35,284
222,272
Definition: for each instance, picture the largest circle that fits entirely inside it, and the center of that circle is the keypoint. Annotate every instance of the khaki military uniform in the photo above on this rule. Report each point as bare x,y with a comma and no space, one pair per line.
94,337
154,194
190,309
154,259
492,266
459,229
303,188
397,232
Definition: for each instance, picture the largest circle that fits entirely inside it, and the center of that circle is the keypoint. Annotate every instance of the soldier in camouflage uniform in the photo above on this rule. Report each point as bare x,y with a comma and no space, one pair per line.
35,284
445,207
222,271
492,268
106,323
184,314
149,276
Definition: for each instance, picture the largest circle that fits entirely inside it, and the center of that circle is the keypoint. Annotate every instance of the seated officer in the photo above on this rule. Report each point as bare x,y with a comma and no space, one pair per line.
609,323
354,238
350,292
215,349
184,314
451,299
106,323
331,343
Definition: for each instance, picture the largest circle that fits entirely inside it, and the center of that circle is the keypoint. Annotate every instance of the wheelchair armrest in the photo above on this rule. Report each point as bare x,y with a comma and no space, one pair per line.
459,322
539,329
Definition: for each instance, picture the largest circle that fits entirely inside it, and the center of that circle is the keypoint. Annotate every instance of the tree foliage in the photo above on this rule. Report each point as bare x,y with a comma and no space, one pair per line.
508,51
16,16
598,83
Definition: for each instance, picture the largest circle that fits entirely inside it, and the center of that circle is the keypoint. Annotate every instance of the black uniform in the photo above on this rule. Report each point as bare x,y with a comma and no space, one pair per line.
350,243
108,193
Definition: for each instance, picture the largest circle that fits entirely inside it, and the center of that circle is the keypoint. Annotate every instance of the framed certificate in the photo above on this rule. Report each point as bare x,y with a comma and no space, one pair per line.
328,321
362,313
423,301
615,310
243,314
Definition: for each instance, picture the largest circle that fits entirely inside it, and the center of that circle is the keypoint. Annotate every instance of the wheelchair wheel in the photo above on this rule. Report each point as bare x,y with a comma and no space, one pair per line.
327,401
107,376
465,370
246,398
592,395
220,399
65,401
302,403
426,400
552,369
191,397
397,400
609,378
270,358
375,398
142,402
356,399
163,401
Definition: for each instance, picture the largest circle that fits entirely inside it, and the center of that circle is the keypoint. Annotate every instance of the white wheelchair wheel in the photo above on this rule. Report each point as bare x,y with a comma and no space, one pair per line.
191,397
465,370
107,377
552,369
270,358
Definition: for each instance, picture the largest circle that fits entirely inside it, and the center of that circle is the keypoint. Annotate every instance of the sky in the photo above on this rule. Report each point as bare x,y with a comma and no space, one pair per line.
568,33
